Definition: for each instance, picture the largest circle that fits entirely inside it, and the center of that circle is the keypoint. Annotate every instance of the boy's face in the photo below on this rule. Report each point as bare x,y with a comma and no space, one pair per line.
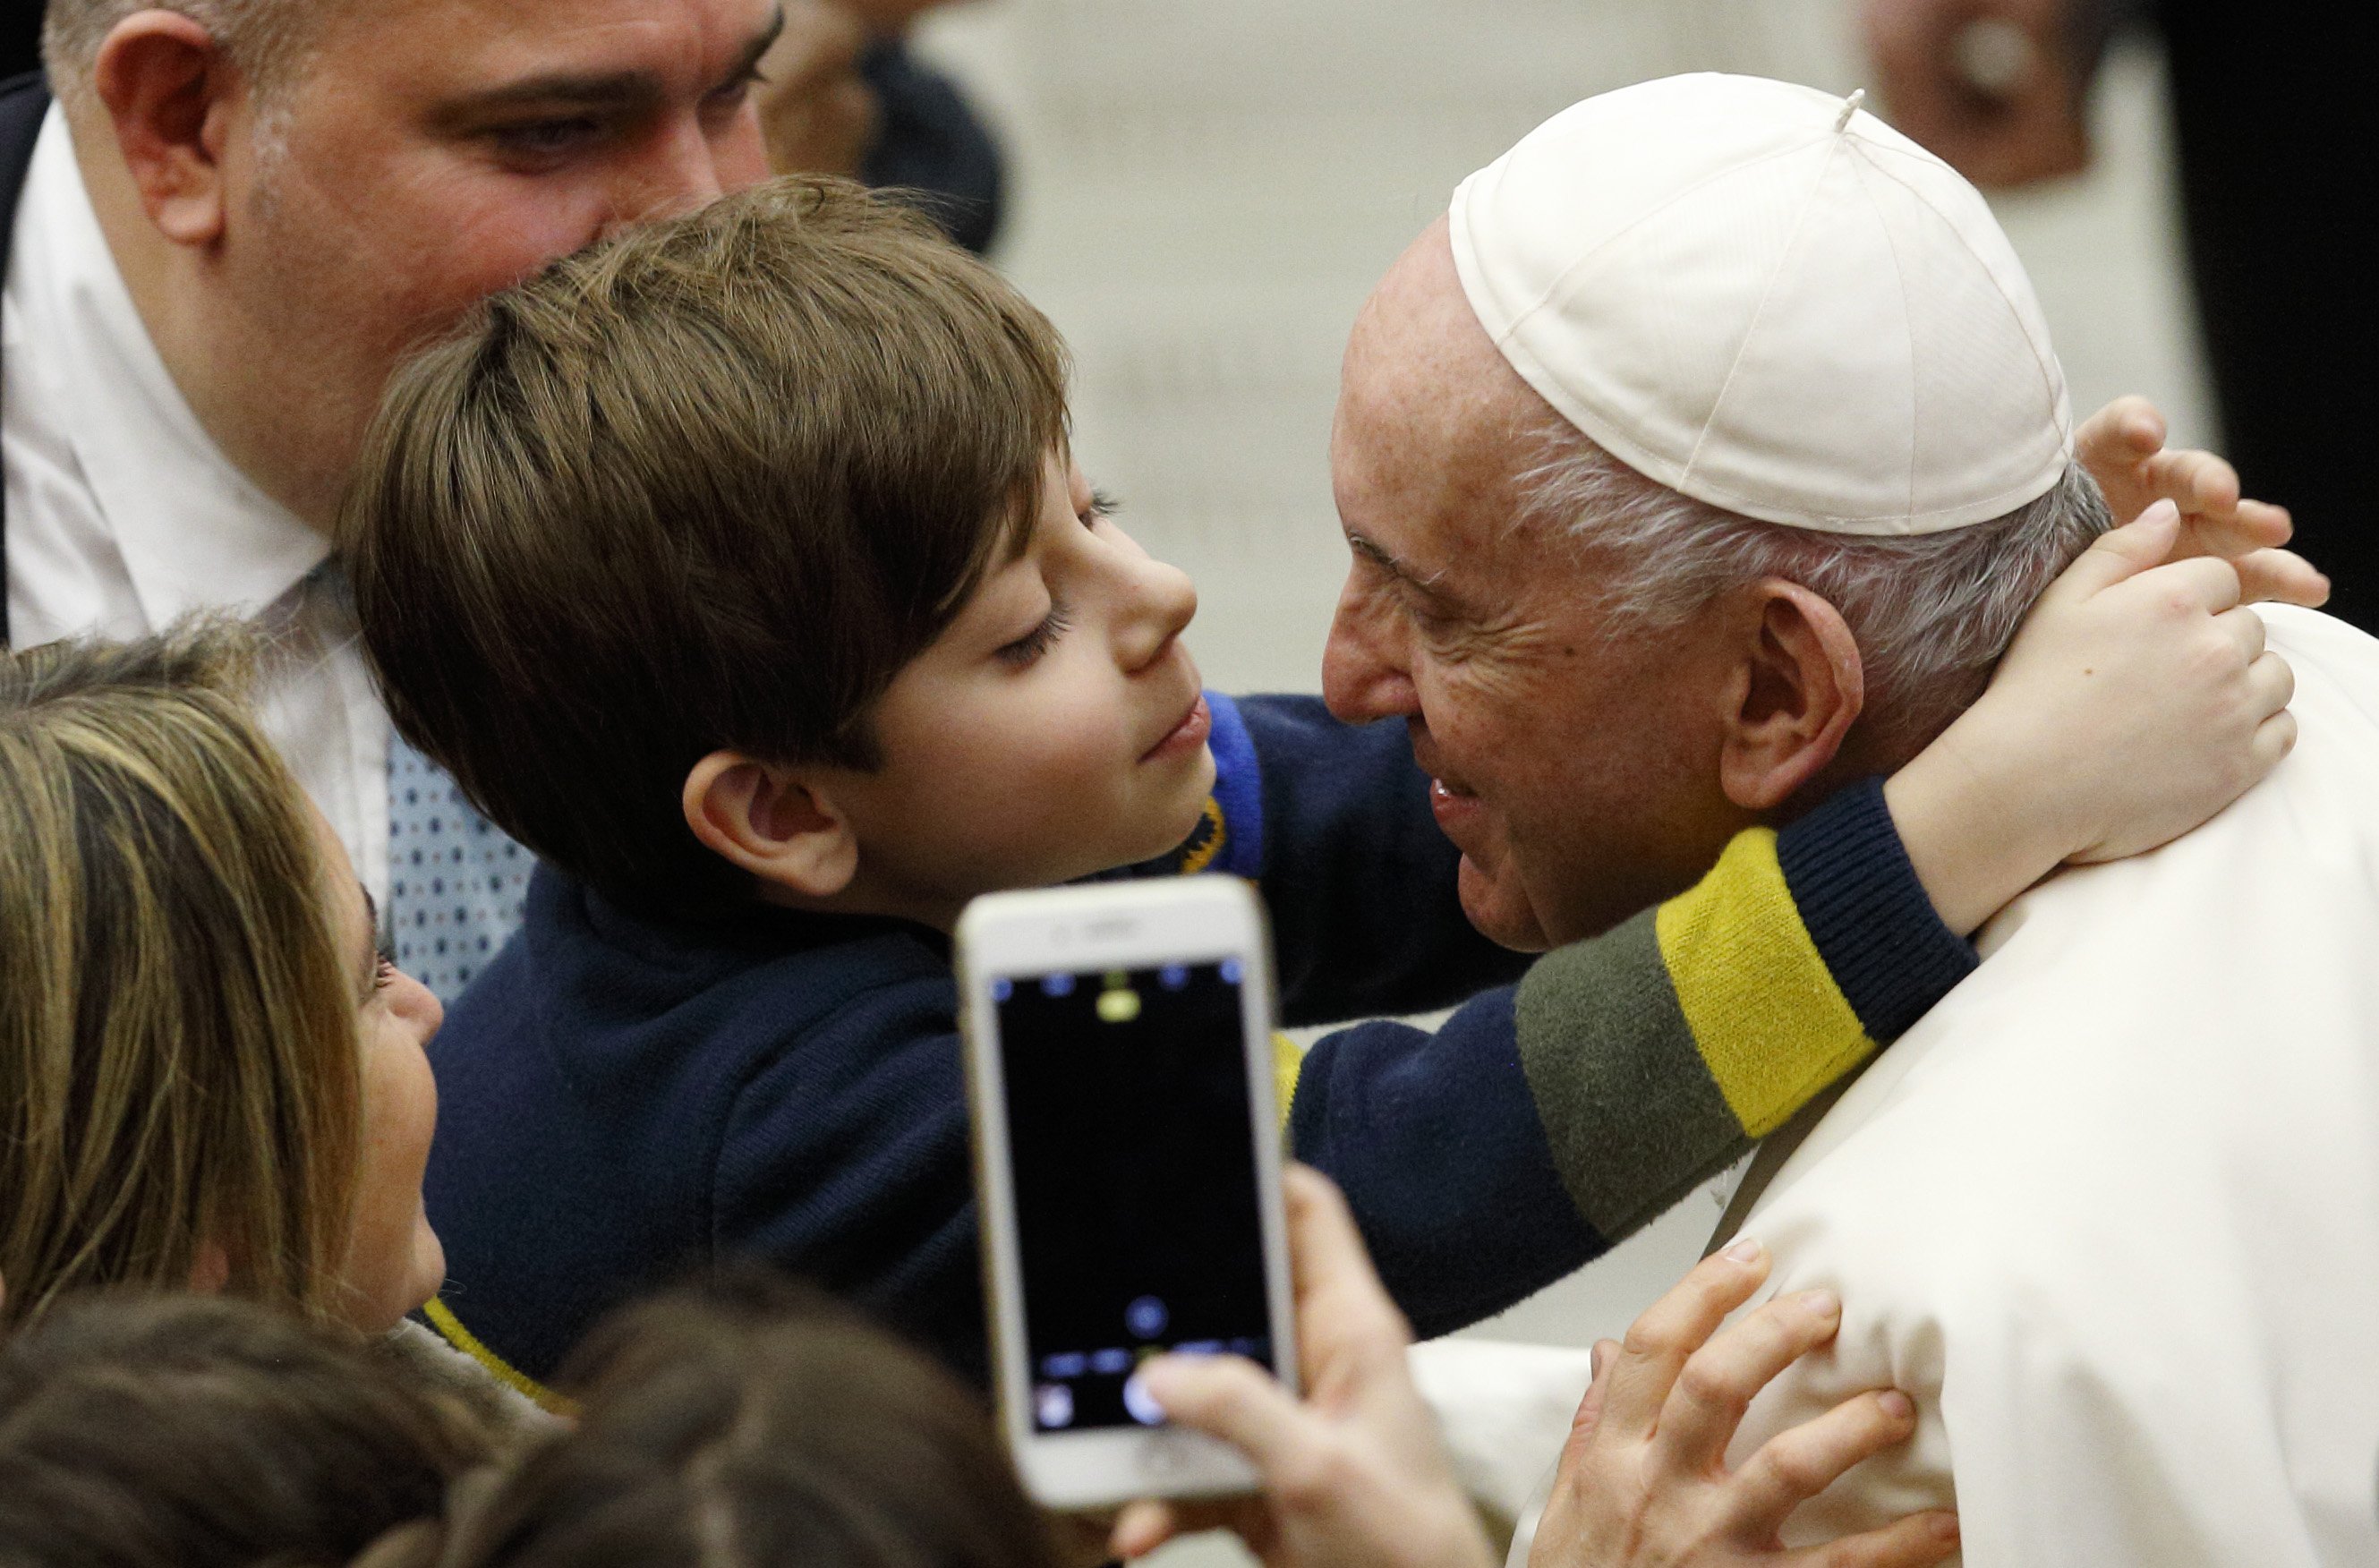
1055,727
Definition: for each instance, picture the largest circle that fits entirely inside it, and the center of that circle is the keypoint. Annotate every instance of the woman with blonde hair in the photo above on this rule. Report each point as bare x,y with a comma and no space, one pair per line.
213,1080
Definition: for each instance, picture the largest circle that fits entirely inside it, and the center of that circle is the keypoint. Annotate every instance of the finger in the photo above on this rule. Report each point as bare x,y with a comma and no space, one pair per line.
1150,1523
2252,527
1231,1398
2280,577
1918,1541
1142,1527
2198,583
2275,738
2245,628
2120,434
2271,684
1671,1329
1324,1240
2265,522
2120,553
1796,1464
1719,1380
2198,480
1589,1408
1327,1256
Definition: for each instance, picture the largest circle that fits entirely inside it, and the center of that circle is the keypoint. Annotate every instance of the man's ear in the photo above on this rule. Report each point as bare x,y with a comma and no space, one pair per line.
1798,691
171,92
766,820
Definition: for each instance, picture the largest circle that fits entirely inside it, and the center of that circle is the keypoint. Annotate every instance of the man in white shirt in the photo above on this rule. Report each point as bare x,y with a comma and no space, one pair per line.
235,217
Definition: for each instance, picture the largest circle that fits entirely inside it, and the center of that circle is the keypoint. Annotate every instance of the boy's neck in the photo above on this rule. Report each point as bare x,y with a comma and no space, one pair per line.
859,900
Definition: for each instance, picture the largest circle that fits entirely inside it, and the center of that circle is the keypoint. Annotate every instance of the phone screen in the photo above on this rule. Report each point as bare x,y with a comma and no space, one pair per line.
1132,1149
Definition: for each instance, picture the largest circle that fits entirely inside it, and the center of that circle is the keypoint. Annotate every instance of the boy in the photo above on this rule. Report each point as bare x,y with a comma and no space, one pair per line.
739,569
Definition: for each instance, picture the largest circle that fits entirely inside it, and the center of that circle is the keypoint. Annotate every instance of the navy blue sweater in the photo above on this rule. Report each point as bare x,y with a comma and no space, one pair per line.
624,1099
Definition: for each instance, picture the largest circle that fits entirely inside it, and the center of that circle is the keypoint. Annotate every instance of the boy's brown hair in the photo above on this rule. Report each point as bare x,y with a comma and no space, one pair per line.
707,486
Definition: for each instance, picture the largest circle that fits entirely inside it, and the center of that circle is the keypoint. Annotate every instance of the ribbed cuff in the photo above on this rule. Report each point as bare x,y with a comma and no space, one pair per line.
1859,900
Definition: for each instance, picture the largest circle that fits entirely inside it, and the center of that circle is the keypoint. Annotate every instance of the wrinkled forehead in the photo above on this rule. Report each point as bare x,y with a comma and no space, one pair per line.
1434,429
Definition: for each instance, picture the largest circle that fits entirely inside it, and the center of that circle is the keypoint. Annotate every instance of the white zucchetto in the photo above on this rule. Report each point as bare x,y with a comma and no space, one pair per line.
1763,296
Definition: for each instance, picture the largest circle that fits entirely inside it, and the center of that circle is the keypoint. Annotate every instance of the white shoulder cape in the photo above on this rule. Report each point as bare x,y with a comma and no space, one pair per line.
2111,1212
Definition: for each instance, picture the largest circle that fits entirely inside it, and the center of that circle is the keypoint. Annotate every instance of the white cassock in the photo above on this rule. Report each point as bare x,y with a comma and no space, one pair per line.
2111,1212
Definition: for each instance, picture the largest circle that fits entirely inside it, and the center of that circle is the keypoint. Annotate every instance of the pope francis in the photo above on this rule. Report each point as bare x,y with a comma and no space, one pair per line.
2111,1212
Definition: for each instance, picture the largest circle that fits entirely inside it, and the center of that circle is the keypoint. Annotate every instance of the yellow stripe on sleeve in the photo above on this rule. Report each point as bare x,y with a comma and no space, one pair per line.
1288,1062
1767,1016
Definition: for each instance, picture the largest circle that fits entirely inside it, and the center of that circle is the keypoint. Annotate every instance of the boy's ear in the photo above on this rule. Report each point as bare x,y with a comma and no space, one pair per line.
765,819
171,92
1798,689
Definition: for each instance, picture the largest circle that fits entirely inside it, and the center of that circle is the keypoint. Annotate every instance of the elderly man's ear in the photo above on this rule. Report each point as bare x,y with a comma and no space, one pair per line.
1797,688
172,95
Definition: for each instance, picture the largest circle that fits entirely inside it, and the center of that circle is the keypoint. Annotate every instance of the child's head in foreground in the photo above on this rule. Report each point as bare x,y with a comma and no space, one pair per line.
748,1420
755,1422
744,553
186,1431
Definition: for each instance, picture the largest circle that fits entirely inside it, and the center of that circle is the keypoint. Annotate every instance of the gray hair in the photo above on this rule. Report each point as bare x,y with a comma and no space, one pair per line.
264,37
1932,612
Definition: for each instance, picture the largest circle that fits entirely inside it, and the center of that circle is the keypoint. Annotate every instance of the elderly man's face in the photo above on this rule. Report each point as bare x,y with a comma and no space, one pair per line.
1574,769
431,151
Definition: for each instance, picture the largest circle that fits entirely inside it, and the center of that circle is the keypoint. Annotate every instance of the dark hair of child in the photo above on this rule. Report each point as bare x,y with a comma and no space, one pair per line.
708,486
750,1423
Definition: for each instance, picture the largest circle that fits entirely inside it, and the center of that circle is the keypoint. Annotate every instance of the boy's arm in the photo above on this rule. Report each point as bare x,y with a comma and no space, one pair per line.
1545,1122
1333,820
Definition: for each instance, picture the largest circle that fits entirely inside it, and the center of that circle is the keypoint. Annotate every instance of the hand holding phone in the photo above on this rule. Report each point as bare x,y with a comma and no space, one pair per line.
1354,1472
1128,1171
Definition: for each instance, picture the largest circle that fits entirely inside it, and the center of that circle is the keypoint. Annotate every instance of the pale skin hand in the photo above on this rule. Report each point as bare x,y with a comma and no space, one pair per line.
2138,699
1354,1475
2032,126
1643,1481
2123,446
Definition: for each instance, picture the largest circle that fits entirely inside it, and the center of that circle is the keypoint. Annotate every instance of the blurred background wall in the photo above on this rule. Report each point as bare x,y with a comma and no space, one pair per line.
1201,195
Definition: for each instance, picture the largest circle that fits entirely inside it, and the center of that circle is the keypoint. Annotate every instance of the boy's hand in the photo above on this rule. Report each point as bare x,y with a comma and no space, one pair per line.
1353,1474
1643,1479
2137,700
2122,447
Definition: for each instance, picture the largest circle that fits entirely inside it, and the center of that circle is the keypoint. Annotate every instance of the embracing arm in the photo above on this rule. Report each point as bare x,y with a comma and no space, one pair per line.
1544,1122
1359,882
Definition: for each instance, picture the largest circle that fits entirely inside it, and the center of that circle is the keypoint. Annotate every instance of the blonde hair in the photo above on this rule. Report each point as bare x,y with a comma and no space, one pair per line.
177,1028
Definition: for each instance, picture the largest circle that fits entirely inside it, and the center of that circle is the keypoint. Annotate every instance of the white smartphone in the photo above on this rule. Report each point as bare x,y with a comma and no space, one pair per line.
1127,1160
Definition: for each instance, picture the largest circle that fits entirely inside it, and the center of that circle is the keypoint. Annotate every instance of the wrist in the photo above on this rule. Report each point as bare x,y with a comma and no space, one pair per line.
1976,834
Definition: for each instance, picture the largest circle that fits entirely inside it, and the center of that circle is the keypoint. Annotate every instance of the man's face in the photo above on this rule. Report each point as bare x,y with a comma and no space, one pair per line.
1573,764
428,152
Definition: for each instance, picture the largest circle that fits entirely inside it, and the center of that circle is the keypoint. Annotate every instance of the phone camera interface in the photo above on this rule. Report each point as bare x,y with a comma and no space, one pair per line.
1133,1152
